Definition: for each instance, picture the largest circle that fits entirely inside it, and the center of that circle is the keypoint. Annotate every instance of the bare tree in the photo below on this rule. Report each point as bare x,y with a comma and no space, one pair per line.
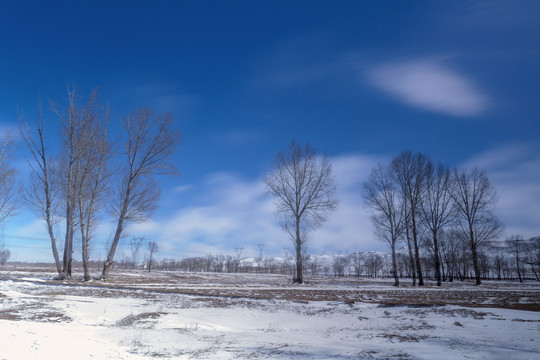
92,186
340,264
517,247
152,249
408,170
304,189
409,240
532,257
42,193
474,198
9,189
4,253
72,131
151,141
436,207
382,197
57,191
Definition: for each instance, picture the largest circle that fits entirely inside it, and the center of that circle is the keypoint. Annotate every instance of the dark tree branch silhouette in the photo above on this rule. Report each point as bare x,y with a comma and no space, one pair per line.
474,200
151,141
383,198
304,191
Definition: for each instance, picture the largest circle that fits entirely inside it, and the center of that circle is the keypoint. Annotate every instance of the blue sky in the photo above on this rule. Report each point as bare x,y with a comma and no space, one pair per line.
359,80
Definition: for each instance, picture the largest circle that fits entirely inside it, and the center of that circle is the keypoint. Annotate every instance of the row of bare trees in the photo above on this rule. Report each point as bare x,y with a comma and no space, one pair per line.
86,177
412,197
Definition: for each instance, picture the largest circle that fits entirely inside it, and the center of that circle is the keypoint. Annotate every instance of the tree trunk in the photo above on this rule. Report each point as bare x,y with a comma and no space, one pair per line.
474,256
85,256
411,256
394,264
417,253
437,260
475,265
118,233
299,266
443,272
68,243
110,256
534,272
53,244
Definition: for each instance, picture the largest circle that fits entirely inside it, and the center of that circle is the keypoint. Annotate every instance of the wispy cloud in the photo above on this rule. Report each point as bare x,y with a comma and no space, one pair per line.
429,85
514,169
236,212
182,188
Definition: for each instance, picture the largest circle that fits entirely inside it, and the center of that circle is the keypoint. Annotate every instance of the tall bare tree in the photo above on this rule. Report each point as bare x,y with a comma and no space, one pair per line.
43,190
151,140
57,181
407,235
383,198
152,249
92,186
532,257
304,190
79,138
474,198
436,207
516,245
9,188
408,170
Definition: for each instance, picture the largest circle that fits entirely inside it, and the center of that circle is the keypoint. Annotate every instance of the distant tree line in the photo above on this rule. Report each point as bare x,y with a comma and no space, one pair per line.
515,258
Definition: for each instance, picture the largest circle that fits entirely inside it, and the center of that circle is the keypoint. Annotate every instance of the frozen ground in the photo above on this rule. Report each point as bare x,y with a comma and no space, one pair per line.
222,316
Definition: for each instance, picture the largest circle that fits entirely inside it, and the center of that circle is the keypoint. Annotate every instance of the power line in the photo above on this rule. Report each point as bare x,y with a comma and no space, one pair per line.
25,237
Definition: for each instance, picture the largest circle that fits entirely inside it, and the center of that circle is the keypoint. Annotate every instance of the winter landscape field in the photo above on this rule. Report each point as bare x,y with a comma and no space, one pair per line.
177,315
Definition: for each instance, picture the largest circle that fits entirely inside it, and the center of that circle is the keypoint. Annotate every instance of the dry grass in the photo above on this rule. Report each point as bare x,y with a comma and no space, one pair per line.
403,338
222,289
34,312
131,320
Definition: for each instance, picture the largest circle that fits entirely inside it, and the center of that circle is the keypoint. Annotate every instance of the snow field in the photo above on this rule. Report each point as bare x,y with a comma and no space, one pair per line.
45,321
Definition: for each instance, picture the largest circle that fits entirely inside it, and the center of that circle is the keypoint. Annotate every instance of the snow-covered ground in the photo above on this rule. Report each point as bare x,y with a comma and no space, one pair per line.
223,316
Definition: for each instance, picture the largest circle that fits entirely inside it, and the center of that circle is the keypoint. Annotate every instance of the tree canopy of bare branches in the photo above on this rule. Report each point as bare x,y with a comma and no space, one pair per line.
474,200
436,207
304,189
408,170
152,249
9,188
382,196
151,140
69,185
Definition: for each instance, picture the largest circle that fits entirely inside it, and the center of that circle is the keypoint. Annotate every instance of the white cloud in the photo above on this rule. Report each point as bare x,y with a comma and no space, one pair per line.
514,170
429,85
236,212
182,188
